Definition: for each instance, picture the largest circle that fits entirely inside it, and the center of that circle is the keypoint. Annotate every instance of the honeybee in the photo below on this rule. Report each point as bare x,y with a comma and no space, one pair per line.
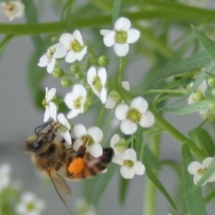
59,160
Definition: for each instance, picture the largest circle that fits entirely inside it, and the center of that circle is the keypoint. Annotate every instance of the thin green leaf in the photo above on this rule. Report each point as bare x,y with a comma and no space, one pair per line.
192,108
116,10
208,44
194,199
138,142
123,189
154,163
203,140
157,182
196,61
4,43
209,197
102,184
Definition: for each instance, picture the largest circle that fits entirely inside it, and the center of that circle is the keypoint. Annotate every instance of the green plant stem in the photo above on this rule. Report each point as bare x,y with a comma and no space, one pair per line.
149,206
167,127
121,69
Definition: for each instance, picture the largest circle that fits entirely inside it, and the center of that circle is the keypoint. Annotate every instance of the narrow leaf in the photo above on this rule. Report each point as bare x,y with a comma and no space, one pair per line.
192,108
157,182
116,10
193,199
123,189
193,62
209,197
203,140
207,43
4,43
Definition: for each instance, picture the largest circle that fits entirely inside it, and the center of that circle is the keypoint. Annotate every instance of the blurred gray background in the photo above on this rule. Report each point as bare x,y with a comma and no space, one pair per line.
19,117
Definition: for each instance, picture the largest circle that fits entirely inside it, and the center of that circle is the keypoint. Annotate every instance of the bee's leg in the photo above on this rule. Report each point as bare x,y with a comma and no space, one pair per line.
81,151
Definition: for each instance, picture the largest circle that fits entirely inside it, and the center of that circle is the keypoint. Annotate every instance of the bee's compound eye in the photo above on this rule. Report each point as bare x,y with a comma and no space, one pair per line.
37,145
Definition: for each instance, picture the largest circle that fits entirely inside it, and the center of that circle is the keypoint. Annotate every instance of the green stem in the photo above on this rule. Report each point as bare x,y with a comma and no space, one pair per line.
167,127
121,69
163,91
149,207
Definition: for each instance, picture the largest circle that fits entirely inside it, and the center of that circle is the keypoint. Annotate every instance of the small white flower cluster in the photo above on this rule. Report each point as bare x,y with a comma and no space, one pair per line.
198,169
27,204
72,49
126,158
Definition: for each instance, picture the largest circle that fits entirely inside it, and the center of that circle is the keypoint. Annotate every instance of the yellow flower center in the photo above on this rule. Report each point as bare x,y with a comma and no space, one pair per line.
202,171
97,84
30,206
121,37
44,102
9,6
50,53
77,103
128,163
87,140
75,46
134,115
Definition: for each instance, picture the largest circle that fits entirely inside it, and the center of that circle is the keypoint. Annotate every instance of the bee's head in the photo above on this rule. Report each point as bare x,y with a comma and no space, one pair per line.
36,144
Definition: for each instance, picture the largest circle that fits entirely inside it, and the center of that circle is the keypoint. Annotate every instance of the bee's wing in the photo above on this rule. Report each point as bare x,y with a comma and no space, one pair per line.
86,166
61,187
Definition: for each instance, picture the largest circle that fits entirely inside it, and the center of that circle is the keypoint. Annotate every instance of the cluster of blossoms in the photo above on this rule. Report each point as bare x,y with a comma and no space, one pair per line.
93,80
28,203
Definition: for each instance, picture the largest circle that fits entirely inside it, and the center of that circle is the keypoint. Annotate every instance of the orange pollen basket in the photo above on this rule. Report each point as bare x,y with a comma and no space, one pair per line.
76,166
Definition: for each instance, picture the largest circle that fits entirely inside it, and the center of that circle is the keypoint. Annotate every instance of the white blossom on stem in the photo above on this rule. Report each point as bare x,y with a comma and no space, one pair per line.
136,113
75,46
75,100
13,10
30,205
90,138
64,128
121,36
129,164
118,144
113,97
97,80
49,58
198,169
51,108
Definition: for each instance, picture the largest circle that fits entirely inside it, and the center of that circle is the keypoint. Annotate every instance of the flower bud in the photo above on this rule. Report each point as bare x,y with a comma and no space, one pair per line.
198,96
211,81
74,68
57,73
103,61
66,82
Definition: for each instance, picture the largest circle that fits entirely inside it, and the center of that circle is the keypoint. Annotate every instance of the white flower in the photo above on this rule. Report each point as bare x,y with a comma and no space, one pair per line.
118,144
114,97
199,91
73,43
76,100
13,9
5,170
30,205
49,58
84,208
97,80
64,128
197,170
90,138
51,108
129,164
121,36
137,113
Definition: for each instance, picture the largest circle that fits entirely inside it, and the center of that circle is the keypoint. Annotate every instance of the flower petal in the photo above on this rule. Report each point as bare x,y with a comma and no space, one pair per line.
121,111
66,39
122,24
66,135
60,51
126,85
102,75
105,32
194,167
44,61
129,154
96,133
53,110
147,119
140,104
71,56
77,143
118,159
79,131
110,102
206,162
109,39
91,74
51,93
133,35
47,114
128,127
114,140
77,36
103,95
139,168
62,119
95,150
82,53
121,50
126,172
73,113
51,65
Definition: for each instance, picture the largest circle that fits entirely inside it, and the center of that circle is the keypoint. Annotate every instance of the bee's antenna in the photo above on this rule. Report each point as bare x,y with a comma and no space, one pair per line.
41,127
